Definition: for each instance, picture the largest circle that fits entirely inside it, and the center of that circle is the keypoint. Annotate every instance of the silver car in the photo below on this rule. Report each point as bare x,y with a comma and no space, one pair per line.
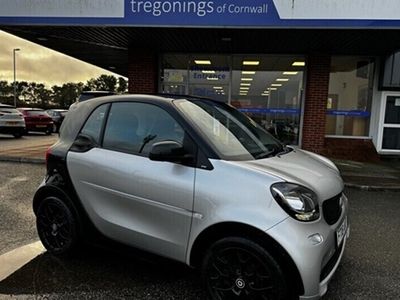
11,121
196,181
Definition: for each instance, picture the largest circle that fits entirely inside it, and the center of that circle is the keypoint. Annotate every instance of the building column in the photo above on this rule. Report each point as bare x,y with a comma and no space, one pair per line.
318,69
142,72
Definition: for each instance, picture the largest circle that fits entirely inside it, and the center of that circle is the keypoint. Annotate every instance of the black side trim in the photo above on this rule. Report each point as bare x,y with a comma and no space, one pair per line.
331,263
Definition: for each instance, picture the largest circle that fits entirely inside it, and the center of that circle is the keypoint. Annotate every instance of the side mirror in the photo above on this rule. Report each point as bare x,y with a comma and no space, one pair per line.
168,151
83,143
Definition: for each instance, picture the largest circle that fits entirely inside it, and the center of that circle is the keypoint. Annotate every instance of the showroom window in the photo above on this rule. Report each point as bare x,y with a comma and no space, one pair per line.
350,96
268,88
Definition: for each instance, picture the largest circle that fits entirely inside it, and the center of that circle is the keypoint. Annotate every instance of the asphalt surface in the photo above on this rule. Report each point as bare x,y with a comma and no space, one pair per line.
370,268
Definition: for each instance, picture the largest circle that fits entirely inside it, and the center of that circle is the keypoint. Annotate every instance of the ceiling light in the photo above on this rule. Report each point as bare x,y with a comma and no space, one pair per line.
212,78
264,95
208,72
243,94
272,89
248,72
282,79
202,62
244,88
298,64
266,92
247,79
251,62
245,84
218,87
276,84
290,73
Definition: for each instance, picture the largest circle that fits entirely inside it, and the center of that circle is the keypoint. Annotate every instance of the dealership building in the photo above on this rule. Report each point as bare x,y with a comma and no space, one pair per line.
320,74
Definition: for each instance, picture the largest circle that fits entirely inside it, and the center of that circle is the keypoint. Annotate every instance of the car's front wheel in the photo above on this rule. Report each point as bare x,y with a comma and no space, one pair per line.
238,268
57,226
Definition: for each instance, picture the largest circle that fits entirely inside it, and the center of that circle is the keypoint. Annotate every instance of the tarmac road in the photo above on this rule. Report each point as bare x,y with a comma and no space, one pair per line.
370,268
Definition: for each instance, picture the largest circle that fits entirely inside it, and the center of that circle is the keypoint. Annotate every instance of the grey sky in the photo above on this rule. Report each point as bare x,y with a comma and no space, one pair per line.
40,64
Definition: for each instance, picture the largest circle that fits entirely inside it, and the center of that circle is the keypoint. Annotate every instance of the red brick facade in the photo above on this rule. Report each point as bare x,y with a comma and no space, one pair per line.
143,72
353,149
318,68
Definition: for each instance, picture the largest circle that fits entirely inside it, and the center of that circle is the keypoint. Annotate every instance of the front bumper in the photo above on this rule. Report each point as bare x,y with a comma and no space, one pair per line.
315,259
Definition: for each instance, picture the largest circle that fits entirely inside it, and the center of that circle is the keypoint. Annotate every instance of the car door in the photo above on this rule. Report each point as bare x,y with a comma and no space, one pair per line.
129,198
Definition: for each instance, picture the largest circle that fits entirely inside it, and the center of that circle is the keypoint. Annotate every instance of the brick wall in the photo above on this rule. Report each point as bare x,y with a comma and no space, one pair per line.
142,72
353,149
318,68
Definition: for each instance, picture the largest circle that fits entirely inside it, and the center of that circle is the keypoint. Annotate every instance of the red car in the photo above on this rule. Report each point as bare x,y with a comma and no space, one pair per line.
36,119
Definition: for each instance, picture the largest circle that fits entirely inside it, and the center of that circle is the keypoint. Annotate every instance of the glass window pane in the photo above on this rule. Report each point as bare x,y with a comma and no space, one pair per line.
350,96
174,74
209,76
391,139
268,89
94,124
135,127
392,114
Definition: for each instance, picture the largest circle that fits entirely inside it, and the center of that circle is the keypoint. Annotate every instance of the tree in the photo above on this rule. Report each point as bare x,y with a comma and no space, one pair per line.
101,83
122,85
65,95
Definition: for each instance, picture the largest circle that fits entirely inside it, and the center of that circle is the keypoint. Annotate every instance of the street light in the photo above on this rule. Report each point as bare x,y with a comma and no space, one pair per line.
15,76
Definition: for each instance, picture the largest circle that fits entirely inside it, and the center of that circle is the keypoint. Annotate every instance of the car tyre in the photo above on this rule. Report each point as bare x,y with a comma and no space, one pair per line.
57,227
17,135
238,268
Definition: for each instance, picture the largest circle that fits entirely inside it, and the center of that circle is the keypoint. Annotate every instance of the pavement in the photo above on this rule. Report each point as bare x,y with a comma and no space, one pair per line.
383,176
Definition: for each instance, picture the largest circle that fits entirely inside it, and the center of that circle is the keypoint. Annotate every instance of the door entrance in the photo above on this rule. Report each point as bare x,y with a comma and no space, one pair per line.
389,133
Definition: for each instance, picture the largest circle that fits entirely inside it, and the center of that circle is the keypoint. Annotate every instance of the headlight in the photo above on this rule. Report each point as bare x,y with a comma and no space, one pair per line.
299,202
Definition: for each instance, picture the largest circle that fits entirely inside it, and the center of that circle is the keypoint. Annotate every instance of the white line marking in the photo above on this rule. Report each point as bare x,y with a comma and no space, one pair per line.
17,258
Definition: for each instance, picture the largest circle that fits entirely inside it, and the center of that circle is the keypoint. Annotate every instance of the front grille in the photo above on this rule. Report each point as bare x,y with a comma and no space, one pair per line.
332,209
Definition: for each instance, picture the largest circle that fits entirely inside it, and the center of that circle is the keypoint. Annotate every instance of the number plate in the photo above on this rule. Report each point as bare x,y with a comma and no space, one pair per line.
11,123
341,232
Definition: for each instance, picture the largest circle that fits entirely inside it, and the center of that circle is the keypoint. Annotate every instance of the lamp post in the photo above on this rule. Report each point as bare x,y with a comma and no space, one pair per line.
15,77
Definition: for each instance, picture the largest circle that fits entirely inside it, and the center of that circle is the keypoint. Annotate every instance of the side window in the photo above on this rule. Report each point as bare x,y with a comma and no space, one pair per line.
94,124
135,127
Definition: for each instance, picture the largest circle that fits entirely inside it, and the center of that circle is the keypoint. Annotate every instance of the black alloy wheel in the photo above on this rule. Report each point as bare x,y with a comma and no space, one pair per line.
57,227
237,268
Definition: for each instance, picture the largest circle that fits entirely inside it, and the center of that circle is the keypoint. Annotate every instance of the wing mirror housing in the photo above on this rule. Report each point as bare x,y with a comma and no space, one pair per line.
170,151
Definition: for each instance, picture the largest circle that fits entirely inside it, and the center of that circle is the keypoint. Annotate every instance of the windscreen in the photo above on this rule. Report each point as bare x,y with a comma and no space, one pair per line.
233,135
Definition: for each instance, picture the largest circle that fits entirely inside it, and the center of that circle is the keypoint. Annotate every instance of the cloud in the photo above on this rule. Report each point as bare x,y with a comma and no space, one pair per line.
40,64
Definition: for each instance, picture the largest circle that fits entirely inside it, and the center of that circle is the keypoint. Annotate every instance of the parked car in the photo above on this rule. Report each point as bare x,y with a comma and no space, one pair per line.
86,95
196,181
58,117
36,119
11,121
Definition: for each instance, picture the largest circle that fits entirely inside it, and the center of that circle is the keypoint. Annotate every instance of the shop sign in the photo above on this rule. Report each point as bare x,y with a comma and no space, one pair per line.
348,113
215,13
288,111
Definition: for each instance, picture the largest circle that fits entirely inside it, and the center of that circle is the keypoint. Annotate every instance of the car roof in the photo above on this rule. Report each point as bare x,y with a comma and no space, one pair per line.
97,93
6,106
30,108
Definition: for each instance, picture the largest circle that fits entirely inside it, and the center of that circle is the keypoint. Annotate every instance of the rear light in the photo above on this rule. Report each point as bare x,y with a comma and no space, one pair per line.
48,153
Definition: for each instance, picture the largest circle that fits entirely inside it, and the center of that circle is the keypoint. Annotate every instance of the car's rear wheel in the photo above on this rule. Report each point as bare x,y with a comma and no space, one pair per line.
57,226
238,268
